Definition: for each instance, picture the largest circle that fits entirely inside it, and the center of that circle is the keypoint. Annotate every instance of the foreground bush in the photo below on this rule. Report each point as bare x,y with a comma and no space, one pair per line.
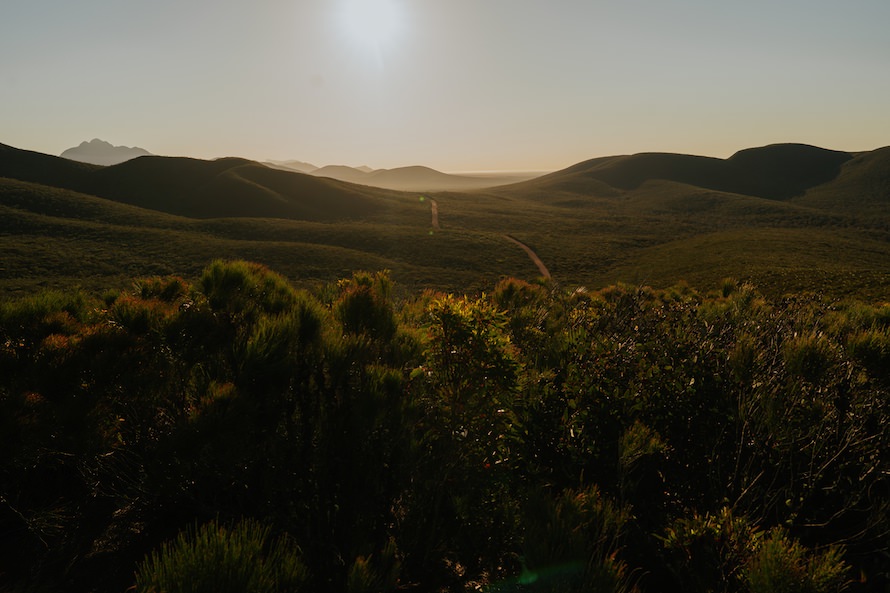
668,441
219,559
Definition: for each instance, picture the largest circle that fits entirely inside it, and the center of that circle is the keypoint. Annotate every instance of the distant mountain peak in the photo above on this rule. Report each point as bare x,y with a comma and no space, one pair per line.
100,152
98,142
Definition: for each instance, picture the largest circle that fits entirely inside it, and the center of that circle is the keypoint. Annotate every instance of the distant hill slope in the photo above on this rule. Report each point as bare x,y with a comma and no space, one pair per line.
99,152
342,173
413,178
228,187
292,165
52,237
785,217
37,167
862,187
779,171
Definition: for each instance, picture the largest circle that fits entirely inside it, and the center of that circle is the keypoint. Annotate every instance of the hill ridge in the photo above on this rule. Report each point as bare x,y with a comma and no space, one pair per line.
775,171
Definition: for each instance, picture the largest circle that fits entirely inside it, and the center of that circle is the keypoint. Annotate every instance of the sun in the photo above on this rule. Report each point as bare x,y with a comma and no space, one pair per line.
371,25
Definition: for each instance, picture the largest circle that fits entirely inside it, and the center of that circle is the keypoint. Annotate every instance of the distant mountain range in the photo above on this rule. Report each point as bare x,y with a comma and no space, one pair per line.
412,178
99,152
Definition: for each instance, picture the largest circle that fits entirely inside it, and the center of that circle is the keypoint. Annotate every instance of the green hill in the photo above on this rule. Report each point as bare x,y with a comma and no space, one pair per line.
862,187
54,237
234,187
785,217
27,165
778,171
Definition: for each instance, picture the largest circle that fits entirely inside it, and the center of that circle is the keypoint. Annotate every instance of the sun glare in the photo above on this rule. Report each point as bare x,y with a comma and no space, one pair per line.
371,24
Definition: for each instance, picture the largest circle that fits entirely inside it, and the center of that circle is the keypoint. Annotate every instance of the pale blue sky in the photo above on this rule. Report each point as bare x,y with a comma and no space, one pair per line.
453,84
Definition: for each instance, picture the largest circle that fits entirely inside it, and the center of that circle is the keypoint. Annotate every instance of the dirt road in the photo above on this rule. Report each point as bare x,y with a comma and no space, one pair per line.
534,256
434,210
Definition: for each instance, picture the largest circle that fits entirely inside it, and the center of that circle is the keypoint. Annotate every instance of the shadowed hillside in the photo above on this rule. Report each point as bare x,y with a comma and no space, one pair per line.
645,219
27,165
779,171
862,187
227,187
233,187
57,237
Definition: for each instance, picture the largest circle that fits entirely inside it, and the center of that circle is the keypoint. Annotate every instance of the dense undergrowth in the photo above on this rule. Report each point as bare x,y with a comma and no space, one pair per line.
234,433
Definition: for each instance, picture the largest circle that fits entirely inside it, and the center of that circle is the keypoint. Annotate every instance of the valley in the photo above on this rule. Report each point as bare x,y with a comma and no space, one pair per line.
786,218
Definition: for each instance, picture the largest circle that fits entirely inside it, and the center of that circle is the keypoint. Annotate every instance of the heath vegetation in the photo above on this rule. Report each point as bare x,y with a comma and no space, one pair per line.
233,432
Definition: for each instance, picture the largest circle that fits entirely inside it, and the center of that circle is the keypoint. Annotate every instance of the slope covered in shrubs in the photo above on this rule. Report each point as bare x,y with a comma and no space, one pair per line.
525,440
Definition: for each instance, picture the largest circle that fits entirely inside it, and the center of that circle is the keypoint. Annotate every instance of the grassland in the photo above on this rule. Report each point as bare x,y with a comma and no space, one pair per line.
786,218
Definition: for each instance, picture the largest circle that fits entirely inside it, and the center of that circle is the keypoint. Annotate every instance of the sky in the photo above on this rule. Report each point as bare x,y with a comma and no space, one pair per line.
458,85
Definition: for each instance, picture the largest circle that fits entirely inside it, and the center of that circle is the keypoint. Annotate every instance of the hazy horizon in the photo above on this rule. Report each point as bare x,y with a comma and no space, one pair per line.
504,85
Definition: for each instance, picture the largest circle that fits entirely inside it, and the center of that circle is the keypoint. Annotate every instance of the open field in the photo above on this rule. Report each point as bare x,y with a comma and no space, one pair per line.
786,218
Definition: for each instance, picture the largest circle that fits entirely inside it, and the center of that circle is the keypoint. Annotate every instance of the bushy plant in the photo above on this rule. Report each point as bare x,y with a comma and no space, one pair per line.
571,541
809,356
871,347
215,559
780,564
243,290
363,306
375,574
707,552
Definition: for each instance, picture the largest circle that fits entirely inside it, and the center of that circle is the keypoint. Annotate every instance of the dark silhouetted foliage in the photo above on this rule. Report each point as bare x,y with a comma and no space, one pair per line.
531,440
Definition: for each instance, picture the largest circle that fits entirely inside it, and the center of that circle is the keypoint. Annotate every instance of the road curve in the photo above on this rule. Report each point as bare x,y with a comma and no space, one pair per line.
434,211
534,256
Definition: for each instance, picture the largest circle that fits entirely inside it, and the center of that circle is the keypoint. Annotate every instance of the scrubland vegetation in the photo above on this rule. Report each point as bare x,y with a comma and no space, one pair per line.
233,433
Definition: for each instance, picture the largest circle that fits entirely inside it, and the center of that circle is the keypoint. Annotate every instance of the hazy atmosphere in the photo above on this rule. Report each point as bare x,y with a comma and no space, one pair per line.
457,85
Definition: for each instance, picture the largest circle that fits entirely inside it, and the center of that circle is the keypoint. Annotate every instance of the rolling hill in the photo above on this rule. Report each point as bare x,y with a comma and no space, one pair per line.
862,187
785,217
292,165
779,171
415,178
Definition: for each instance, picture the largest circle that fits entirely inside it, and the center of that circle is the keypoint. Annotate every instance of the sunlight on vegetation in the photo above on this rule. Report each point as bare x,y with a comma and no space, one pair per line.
233,432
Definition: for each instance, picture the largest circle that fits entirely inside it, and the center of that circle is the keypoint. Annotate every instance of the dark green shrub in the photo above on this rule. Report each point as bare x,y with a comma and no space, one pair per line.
167,289
780,564
51,312
707,552
369,574
243,290
871,347
364,308
571,542
217,559
809,357
140,316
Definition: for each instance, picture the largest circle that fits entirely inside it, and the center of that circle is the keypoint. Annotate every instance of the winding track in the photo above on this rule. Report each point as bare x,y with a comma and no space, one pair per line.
434,211
534,256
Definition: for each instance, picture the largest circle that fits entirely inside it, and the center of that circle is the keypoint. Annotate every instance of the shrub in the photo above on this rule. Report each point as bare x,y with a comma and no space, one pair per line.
167,289
217,559
706,553
809,357
363,306
780,564
571,542
244,289
375,575
871,348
